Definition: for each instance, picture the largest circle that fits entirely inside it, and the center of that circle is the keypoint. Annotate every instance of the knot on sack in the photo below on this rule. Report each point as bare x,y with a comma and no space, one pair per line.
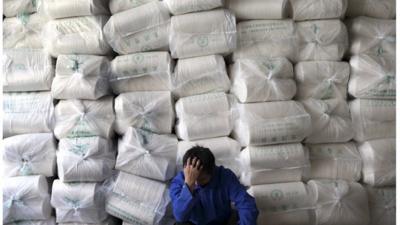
14,200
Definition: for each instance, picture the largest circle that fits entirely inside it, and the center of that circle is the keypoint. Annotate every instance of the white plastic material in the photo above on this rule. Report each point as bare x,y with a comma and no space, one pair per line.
152,111
57,9
178,7
117,6
78,202
373,77
373,119
76,35
382,205
203,33
272,164
27,113
258,9
379,162
266,38
335,161
372,36
318,9
23,31
224,149
108,221
385,9
85,159
200,75
146,71
139,29
29,154
81,77
282,204
203,116
322,79
84,118
262,79
271,123
339,202
27,70
147,154
51,221
321,40
13,8
137,200
25,198
330,120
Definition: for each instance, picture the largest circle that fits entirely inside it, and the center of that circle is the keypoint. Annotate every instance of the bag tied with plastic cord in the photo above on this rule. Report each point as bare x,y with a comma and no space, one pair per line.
385,9
57,9
13,8
318,9
382,205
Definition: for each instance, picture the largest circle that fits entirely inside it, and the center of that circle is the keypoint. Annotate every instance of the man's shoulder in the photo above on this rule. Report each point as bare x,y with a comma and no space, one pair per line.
225,173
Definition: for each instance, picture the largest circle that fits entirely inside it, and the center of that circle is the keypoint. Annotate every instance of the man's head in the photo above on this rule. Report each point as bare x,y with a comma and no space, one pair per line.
207,162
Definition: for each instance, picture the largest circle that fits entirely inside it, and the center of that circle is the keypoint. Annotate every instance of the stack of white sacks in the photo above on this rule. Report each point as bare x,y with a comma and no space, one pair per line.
29,154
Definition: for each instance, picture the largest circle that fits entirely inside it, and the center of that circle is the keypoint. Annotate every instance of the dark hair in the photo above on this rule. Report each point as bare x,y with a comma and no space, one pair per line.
205,156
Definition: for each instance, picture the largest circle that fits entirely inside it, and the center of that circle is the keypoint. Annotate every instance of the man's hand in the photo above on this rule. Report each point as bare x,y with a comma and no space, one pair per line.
192,171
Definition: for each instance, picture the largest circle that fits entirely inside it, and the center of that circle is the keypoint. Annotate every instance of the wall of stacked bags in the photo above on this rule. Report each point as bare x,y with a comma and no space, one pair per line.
102,99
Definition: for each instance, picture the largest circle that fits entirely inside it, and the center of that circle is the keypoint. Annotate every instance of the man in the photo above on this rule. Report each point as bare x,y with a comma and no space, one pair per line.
203,192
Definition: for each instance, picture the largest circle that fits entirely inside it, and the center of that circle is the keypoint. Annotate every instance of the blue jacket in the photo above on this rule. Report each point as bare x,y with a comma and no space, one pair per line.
211,204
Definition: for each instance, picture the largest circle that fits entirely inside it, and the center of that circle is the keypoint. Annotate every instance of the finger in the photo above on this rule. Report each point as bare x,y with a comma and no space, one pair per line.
192,159
198,164
201,167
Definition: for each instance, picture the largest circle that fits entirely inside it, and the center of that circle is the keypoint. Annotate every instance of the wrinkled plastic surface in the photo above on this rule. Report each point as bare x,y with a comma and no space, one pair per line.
85,159
373,119
81,77
203,33
318,9
84,118
57,9
385,9
200,75
27,70
51,221
203,116
330,120
13,8
178,7
117,6
152,111
262,79
76,35
144,28
147,154
27,113
26,198
382,205
379,162
322,80
258,9
145,71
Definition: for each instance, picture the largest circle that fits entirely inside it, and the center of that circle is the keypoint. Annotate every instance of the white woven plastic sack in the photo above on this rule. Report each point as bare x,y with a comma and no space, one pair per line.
330,121
140,29
372,36
385,9
84,118
262,79
146,71
325,40
25,198
81,77
322,79
271,123
202,33
29,154
373,77
78,202
338,202
334,161
373,119
137,200
178,7
51,221
282,204
318,9
225,150
203,116
147,154
258,9
110,220
382,205
379,162
27,113
272,164
117,6
23,31
27,70
13,8
76,35
152,111
200,75
57,9
85,159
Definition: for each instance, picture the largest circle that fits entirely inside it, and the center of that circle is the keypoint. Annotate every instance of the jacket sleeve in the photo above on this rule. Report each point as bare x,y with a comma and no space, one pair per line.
182,199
